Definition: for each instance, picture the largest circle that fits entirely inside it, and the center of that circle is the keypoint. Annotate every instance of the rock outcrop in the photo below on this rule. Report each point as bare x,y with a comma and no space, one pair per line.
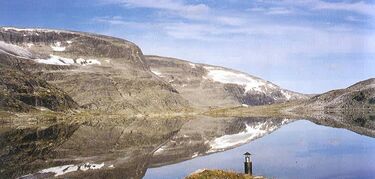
22,92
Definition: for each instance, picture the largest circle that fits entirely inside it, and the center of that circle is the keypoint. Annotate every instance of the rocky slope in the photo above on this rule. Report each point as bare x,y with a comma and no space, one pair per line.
97,72
212,86
22,92
358,96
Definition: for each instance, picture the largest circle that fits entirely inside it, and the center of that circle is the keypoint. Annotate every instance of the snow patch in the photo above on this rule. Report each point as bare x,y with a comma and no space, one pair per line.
230,77
14,50
61,170
57,47
286,94
33,30
245,105
85,62
156,72
161,149
69,41
56,60
196,154
88,166
192,65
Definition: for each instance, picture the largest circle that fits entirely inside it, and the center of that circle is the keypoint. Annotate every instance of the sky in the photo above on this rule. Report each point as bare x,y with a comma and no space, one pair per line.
309,46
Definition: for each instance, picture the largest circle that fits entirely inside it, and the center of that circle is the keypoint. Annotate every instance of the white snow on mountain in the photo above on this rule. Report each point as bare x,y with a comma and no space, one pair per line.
286,94
34,30
85,62
57,47
18,51
14,50
192,65
156,72
230,77
56,60
161,149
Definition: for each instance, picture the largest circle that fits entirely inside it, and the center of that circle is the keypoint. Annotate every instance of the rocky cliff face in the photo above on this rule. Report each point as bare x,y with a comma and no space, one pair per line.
97,72
209,86
358,96
21,91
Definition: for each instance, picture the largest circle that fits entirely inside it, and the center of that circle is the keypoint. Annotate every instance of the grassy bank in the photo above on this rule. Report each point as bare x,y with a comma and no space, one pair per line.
218,174
272,110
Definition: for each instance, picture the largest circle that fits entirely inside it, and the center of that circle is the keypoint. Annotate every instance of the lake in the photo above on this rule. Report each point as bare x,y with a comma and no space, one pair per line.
300,149
174,148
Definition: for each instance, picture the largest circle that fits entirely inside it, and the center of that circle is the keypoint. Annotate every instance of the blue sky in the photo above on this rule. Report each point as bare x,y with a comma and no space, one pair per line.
309,46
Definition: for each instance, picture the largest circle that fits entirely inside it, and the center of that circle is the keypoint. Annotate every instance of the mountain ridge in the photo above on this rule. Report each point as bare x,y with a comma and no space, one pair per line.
232,87
112,74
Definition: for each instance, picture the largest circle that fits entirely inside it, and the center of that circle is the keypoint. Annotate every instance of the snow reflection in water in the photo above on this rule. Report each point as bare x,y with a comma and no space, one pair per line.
300,149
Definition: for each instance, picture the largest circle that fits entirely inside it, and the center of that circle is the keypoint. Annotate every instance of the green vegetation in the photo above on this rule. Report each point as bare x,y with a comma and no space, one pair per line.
218,174
273,110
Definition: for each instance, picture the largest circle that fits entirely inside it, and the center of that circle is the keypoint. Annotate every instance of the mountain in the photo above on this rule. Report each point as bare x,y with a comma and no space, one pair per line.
358,96
97,72
109,74
211,86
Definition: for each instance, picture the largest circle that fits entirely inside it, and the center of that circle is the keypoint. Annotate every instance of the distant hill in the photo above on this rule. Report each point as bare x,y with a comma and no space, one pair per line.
212,86
358,96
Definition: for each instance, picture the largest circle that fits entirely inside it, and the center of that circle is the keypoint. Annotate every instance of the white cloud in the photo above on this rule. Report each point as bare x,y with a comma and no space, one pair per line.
174,6
271,10
358,7
279,10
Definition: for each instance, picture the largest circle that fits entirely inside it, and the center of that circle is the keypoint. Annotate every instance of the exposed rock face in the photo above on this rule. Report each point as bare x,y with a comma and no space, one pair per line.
98,72
209,86
21,91
358,96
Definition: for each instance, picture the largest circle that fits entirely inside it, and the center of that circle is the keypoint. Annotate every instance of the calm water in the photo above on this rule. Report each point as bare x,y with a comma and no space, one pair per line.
300,149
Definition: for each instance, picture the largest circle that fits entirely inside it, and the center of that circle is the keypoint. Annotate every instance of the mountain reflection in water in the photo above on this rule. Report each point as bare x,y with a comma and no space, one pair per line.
300,149
133,148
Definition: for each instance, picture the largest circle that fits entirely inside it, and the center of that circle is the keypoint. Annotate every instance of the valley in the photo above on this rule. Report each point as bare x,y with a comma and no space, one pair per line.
82,105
